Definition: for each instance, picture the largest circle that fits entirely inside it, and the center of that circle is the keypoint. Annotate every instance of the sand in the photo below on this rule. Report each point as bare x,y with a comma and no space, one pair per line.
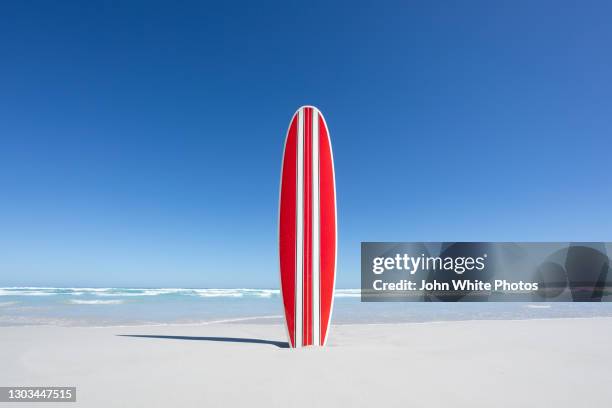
530,363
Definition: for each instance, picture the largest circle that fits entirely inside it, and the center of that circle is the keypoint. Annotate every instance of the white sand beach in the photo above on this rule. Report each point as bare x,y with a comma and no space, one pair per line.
529,363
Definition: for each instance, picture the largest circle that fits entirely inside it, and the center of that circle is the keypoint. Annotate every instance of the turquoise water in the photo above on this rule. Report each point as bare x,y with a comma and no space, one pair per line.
124,306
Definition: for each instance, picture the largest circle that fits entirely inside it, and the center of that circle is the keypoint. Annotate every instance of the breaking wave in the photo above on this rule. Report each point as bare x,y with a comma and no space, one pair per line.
348,293
137,292
95,302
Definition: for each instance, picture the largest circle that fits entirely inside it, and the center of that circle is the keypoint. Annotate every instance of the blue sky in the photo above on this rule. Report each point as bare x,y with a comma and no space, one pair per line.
141,142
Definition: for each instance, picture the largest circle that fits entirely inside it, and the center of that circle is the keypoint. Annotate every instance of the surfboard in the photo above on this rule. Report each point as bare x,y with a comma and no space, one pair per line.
307,229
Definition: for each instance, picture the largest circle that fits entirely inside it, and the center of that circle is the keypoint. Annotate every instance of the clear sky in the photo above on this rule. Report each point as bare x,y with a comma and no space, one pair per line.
141,142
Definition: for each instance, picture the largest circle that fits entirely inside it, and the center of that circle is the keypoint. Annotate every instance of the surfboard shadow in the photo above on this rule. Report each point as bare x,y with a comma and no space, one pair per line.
279,344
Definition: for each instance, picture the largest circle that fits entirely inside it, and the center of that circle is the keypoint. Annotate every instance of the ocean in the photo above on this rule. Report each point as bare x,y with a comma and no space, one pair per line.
21,306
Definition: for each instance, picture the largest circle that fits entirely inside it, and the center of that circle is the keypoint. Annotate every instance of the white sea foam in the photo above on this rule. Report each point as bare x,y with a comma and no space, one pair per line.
138,292
96,302
353,293
538,306
235,293
24,292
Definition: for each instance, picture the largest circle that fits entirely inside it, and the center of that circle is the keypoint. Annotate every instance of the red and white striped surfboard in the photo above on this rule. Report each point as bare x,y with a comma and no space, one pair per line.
307,229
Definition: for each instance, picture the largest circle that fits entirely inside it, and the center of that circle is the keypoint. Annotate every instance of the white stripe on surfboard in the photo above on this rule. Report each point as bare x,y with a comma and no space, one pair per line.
333,173
299,231
316,301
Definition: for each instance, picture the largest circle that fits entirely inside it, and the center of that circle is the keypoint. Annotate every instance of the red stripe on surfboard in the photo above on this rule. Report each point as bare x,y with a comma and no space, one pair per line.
327,217
307,310
287,227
